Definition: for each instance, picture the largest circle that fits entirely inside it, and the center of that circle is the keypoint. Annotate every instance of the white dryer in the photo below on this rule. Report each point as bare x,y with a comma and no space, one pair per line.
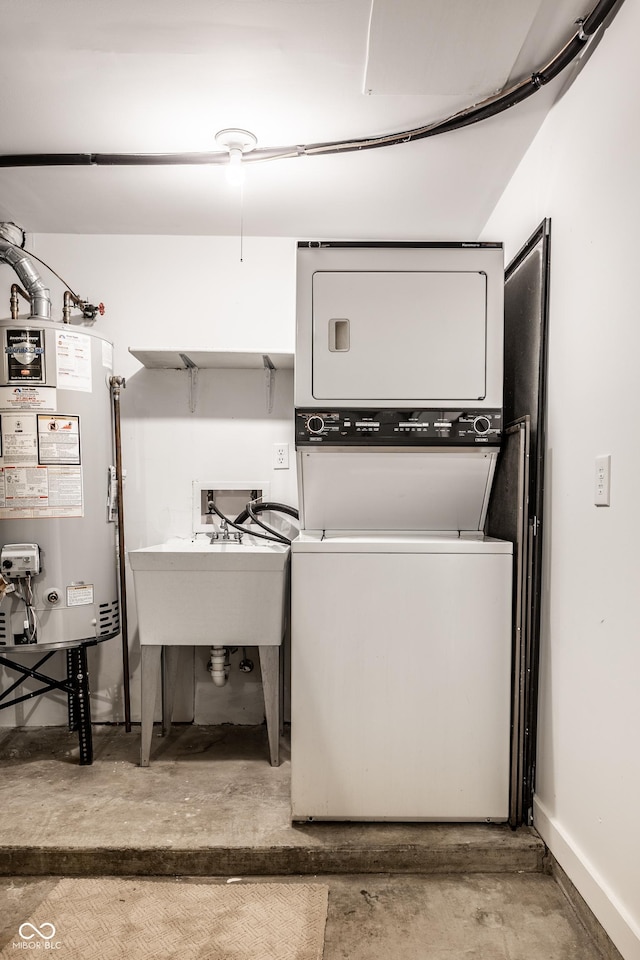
399,325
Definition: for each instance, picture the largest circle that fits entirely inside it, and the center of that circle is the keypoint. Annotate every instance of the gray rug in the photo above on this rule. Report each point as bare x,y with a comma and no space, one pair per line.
112,919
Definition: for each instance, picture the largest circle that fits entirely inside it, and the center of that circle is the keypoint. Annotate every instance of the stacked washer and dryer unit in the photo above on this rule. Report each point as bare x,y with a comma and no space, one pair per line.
401,607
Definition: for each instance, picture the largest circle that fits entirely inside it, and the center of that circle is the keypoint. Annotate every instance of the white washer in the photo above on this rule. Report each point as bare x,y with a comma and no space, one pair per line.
401,673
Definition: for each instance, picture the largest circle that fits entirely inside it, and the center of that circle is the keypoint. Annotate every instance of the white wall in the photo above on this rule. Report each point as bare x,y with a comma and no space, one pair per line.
185,293
582,171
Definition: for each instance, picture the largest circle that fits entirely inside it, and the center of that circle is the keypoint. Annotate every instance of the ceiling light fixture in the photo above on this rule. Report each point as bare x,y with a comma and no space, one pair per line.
237,142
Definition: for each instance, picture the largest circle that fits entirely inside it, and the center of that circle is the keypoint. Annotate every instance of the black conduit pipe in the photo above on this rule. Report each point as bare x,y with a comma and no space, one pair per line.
493,105
490,107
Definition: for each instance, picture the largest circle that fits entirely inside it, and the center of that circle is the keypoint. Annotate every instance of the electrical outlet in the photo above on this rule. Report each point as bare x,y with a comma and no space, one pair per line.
281,456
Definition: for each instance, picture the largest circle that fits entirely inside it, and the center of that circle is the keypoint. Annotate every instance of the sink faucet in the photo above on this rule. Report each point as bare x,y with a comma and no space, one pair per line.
224,534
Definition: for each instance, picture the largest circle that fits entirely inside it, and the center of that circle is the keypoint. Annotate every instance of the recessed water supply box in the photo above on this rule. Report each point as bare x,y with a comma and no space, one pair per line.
230,497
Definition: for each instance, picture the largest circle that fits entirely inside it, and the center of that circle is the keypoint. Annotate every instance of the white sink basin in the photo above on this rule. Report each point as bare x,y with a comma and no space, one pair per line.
222,593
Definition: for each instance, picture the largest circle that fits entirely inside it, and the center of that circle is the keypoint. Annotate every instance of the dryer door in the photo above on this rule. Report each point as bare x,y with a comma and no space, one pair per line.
408,335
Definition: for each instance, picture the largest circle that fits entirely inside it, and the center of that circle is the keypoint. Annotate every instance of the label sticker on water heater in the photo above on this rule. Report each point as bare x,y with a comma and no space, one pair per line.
36,492
28,398
107,355
79,594
19,439
49,485
25,356
73,361
58,439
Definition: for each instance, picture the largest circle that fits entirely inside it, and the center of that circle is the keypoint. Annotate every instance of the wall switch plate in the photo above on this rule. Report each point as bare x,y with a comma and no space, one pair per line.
602,496
281,456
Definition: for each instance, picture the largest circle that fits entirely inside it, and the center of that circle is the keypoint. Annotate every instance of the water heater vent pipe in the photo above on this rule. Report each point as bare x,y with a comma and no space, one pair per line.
11,252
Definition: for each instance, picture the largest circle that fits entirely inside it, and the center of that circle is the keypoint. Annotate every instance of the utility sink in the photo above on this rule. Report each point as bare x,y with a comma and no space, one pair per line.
191,592
196,593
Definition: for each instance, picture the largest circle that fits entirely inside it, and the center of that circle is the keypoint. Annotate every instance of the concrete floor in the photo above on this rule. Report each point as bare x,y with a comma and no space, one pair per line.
210,807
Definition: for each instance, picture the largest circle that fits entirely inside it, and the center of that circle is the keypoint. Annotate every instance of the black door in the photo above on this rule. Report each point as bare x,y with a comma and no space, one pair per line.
520,476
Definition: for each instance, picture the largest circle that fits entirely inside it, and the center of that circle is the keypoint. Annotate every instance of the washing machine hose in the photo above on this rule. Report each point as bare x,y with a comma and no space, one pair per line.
250,512
267,505
250,508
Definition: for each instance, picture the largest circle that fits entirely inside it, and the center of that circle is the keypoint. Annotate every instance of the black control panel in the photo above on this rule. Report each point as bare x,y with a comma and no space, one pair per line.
393,427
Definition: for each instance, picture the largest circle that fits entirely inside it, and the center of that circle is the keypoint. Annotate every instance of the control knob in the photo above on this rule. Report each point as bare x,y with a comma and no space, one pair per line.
482,425
315,424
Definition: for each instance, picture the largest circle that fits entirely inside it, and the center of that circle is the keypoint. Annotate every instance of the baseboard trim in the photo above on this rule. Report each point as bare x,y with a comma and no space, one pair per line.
606,919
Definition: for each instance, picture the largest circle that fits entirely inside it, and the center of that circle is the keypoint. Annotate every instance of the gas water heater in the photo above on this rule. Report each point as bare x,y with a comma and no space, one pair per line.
58,558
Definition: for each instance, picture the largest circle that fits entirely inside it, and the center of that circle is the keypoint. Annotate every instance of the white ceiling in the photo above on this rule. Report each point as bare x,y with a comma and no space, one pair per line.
157,76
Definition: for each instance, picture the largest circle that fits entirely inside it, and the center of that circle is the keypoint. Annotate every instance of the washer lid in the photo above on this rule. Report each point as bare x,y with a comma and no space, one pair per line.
385,542
394,488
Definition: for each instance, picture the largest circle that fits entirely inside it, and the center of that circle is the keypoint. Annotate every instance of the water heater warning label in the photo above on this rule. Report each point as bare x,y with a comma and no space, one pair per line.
79,594
19,439
58,439
40,472
33,492
27,485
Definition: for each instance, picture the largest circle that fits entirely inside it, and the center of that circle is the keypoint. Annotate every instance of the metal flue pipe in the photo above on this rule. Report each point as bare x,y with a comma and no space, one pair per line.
11,252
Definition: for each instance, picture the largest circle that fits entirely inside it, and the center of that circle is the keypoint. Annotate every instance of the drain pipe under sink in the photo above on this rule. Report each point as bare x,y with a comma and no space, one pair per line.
216,666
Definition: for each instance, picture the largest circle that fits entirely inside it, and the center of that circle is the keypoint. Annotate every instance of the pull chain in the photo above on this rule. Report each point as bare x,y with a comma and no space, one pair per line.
241,222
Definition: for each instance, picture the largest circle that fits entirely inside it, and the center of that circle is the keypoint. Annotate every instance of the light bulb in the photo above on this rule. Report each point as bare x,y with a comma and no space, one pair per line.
237,142
235,173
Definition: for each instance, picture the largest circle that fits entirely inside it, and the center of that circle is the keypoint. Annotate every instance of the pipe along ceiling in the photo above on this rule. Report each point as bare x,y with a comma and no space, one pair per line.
587,30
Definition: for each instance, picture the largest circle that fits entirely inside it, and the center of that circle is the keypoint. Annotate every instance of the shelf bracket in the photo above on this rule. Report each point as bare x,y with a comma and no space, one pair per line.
269,379
193,380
